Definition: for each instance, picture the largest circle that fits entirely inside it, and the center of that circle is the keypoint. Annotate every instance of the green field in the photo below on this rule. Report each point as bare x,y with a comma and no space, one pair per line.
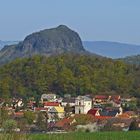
90,136
76,136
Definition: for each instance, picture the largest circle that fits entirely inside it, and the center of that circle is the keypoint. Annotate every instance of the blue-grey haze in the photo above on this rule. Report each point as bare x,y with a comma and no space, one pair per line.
112,49
114,20
4,43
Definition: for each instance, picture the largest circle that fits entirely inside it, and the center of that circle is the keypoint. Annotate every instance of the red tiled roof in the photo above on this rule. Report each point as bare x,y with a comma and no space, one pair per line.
103,117
123,116
40,108
130,113
115,97
92,111
51,104
64,122
18,114
31,103
101,97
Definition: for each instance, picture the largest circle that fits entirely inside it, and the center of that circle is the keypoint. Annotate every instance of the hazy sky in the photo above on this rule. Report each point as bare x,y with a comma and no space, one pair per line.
112,20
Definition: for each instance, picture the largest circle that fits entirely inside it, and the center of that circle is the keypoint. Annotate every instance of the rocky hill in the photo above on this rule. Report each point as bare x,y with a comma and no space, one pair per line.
46,42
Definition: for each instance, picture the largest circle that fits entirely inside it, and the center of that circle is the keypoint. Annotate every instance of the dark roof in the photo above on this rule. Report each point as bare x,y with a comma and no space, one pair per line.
111,113
69,100
85,98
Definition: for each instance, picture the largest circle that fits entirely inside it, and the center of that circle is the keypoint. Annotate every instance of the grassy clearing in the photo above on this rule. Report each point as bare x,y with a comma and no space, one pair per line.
75,136
90,136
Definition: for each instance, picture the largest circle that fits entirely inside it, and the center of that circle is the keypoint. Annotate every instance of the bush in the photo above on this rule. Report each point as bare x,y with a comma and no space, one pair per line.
9,125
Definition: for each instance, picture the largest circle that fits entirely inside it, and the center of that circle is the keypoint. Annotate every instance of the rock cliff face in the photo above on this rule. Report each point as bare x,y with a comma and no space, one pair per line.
46,42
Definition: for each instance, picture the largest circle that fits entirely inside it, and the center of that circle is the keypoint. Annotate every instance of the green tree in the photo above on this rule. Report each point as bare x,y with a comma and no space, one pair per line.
29,116
41,121
9,125
133,125
3,115
68,110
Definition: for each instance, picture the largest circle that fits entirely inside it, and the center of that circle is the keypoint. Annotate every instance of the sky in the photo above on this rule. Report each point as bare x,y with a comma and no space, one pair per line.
108,20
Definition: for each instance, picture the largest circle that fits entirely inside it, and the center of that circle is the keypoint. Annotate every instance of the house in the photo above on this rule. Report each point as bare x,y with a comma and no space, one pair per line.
51,104
94,112
123,115
40,109
91,127
17,103
127,99
111,112
82,104
131,114
67,95
70,101
56,113
48,97
31,104
64,124
59,100
119,124
119,109
115,103
115,97
101,98
103,118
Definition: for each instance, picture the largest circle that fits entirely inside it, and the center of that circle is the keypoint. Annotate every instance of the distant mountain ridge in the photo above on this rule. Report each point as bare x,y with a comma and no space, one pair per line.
111,49
4,43
64,40
46,42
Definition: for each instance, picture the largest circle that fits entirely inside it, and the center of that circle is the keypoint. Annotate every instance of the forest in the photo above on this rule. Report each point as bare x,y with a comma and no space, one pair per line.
68,74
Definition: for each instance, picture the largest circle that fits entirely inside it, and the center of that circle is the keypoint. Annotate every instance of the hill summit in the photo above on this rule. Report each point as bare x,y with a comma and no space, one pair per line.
46,42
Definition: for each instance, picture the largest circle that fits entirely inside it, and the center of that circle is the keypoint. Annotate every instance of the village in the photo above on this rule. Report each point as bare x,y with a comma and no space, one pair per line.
53,113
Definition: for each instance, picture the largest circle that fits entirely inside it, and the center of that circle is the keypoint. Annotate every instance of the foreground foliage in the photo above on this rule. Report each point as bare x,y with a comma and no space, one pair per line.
14,137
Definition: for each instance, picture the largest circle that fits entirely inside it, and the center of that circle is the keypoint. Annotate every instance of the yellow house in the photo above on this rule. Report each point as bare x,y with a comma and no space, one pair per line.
60,111
56,113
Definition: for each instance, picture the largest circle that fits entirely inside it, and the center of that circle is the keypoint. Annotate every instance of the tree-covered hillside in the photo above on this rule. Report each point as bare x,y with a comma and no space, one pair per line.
135,59
73,74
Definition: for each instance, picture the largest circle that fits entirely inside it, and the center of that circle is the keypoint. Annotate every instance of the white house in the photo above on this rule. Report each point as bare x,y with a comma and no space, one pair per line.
17,103
48,97
82,104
